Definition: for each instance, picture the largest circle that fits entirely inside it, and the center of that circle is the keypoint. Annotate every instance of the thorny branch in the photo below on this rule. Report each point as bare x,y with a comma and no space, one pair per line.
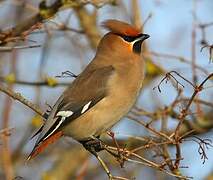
161,138
203,145
184,113
129,156
168,76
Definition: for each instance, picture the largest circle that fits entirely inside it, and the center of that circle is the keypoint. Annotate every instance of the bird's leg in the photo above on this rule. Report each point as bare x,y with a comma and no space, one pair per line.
98,145
94,146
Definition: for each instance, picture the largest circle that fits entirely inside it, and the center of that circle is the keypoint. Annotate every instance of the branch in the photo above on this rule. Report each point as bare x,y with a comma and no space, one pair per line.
184,113
7,48
32,23
20,98
88,22
49,81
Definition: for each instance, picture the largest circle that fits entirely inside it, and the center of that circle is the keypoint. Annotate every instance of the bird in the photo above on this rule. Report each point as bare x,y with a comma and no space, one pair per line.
103,93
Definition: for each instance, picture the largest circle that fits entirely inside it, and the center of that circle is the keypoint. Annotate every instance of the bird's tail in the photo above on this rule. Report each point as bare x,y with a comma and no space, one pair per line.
41,146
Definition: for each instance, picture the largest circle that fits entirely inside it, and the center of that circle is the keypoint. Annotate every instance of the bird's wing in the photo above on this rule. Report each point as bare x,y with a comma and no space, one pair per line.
85,91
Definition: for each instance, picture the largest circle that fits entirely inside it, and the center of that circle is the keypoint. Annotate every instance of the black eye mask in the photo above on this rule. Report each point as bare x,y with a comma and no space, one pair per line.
130,38
138,41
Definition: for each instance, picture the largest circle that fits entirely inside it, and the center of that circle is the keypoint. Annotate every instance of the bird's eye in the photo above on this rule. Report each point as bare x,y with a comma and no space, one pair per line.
128,38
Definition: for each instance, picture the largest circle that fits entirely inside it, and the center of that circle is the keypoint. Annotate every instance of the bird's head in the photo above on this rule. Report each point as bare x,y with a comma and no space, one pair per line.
122,37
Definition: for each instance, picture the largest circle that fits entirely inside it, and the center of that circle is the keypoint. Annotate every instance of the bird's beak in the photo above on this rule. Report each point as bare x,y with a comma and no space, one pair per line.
138,42
143,37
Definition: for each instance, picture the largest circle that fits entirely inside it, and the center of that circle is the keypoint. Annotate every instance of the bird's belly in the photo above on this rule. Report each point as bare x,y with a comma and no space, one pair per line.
102,116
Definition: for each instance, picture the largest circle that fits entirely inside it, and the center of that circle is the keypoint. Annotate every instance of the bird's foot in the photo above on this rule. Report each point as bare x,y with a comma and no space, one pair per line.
93,145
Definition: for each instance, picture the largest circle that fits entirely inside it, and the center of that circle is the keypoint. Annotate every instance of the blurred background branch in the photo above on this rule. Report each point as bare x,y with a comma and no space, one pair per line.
41,39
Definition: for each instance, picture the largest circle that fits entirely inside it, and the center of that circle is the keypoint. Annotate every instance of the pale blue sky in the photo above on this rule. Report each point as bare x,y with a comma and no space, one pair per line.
170,30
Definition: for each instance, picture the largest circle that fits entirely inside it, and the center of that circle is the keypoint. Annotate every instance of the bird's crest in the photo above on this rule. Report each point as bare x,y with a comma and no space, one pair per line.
121,28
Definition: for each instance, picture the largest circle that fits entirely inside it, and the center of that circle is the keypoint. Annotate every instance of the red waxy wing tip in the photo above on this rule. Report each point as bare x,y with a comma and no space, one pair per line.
121,28
40,148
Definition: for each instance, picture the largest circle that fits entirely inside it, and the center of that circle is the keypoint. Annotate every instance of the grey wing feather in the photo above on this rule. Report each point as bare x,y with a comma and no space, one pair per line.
89,86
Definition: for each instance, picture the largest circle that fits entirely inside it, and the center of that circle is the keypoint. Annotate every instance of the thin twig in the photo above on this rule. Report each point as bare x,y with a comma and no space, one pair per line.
20,98
150,128
184,113
5,49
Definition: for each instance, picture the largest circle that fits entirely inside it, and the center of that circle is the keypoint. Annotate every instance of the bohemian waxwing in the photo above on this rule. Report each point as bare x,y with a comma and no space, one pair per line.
103,93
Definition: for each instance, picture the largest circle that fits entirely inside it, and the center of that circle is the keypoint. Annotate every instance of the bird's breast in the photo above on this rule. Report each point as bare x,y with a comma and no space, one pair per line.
123,88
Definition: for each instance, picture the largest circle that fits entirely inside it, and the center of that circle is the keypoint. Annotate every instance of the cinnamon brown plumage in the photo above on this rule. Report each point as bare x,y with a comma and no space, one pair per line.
103,93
